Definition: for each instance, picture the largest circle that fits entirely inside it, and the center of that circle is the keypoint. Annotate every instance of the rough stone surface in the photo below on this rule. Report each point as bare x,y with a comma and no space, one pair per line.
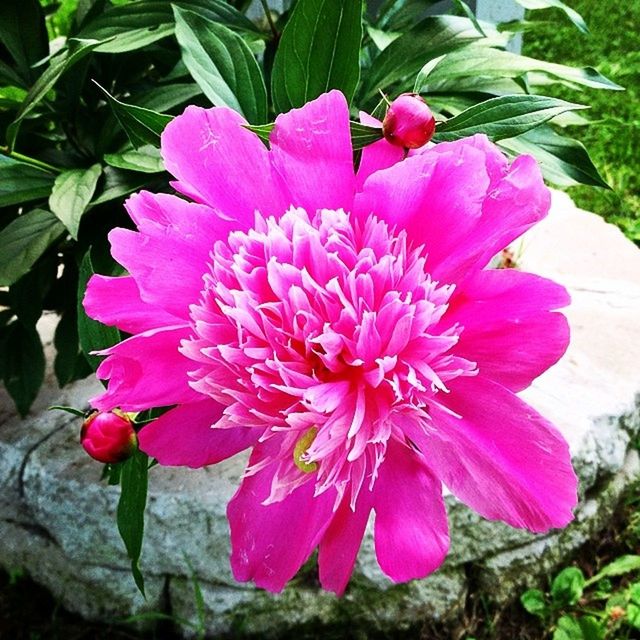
57,520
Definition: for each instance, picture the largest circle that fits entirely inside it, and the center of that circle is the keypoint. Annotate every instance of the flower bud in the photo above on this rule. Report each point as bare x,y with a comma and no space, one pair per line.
108,436
409,122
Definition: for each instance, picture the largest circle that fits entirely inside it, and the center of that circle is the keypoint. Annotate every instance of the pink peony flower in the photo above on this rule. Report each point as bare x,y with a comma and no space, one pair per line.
344,327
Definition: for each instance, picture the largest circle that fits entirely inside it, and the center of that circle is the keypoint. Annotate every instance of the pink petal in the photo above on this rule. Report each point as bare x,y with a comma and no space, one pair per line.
501,457
340,544
146,370
411,530
174,245
508,329
518,201
155,213
460,200
311,150
220,163
376,156
116,302
436,197
187,436
270,543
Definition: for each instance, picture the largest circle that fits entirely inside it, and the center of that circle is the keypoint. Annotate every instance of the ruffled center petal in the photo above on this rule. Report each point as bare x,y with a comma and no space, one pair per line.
321,330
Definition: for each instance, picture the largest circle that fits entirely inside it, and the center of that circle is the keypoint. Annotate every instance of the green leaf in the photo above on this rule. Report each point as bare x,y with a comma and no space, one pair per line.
58,65
431,38
633,615
24,240
364,135
23,32
65,340
319,50
22,182
503,117
72,410
564,161
534,602
634,592
131,506
567,586
461,70
141,125
92,334
146,159
584,628
222,65
23,364
71,194
572,14
167,97
568,629
620,566
11,97
135,25
118,184
26,296
263,131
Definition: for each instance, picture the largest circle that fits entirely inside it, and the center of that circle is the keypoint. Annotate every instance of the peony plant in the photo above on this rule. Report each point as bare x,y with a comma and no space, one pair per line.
302,272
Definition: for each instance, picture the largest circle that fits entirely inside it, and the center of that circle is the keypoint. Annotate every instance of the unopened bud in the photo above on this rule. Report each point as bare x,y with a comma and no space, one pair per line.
409,122
108,436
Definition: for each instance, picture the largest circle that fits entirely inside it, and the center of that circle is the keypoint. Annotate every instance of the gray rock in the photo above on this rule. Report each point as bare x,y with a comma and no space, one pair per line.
57,519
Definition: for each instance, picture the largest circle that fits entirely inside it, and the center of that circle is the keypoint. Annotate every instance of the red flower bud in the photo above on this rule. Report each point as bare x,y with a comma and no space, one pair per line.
108,436
409,122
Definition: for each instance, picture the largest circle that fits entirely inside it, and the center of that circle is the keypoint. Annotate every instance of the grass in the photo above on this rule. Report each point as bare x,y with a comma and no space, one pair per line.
613,137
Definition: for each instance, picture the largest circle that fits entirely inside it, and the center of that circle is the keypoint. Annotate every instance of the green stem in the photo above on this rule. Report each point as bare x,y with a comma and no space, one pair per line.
272,24
27,160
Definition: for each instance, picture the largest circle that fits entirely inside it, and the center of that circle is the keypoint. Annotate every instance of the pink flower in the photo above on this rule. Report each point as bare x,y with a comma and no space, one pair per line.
344,327
108,436
409,122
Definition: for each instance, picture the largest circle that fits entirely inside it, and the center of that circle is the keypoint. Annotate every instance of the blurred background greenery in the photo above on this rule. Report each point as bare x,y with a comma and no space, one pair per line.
613,136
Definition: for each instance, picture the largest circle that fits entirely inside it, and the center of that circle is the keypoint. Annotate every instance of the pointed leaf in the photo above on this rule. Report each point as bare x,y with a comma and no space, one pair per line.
92,334
429,39
572,14
135,25
131,506
58,65
620,566
460,70
564,161
222,65
24,34
142,126
503,117
22,182
319,50
24,240
71,194
146,159
23,364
